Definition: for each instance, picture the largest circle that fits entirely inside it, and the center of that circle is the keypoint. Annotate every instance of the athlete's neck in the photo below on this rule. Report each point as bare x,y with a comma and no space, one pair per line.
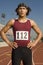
22,19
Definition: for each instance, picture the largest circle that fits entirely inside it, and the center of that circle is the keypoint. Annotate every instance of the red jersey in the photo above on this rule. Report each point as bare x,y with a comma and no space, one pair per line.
22,32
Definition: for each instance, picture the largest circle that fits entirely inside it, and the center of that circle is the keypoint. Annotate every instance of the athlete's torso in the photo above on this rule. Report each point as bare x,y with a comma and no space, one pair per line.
21,32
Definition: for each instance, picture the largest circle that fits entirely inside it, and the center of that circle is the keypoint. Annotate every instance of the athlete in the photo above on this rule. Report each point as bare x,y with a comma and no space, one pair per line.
21,27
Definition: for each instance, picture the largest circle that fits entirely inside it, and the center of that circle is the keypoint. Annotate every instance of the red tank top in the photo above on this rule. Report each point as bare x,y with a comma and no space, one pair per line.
22,32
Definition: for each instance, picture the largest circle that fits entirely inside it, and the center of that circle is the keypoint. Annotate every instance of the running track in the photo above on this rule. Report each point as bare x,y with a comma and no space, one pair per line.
5,55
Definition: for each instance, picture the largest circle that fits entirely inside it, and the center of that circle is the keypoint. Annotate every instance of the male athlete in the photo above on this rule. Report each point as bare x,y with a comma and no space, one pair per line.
21,46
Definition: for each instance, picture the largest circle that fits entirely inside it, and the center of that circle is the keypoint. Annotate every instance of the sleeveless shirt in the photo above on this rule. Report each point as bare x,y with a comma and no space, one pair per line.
21,32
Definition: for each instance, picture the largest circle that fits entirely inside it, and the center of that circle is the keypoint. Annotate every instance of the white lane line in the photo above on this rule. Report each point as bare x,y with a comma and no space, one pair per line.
33,63
33,53
3,59
4,53
9,62
39,63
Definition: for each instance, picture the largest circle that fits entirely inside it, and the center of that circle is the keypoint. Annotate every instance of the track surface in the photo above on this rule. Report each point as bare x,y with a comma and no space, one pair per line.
5,55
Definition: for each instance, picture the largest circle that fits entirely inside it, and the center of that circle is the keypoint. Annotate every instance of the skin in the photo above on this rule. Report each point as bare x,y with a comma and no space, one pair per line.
22,17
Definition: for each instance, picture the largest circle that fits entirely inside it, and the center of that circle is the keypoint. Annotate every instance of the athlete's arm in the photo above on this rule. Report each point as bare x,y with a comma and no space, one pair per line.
5,29
38,32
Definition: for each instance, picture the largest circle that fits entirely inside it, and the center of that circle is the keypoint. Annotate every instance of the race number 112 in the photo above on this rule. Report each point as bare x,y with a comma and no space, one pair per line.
21,35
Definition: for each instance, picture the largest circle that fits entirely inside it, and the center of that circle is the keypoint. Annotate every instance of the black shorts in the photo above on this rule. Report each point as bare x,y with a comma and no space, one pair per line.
21,53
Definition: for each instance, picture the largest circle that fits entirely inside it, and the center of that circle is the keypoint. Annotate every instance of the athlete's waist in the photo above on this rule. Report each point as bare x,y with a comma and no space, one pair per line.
22,42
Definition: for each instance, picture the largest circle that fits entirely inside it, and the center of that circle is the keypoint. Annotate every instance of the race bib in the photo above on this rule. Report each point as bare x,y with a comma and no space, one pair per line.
21,35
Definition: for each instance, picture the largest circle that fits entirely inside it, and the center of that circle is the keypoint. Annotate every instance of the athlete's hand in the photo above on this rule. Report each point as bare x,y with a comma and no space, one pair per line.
13,45
31,45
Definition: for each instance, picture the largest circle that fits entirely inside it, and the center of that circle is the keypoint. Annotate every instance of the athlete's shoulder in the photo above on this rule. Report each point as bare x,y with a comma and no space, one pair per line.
11,22
32,22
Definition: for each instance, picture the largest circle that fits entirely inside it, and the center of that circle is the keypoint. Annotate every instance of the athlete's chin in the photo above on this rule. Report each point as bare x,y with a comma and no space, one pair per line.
22,15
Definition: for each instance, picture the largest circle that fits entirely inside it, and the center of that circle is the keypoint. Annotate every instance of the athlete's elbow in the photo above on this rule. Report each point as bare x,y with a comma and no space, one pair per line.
40,34
1,33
